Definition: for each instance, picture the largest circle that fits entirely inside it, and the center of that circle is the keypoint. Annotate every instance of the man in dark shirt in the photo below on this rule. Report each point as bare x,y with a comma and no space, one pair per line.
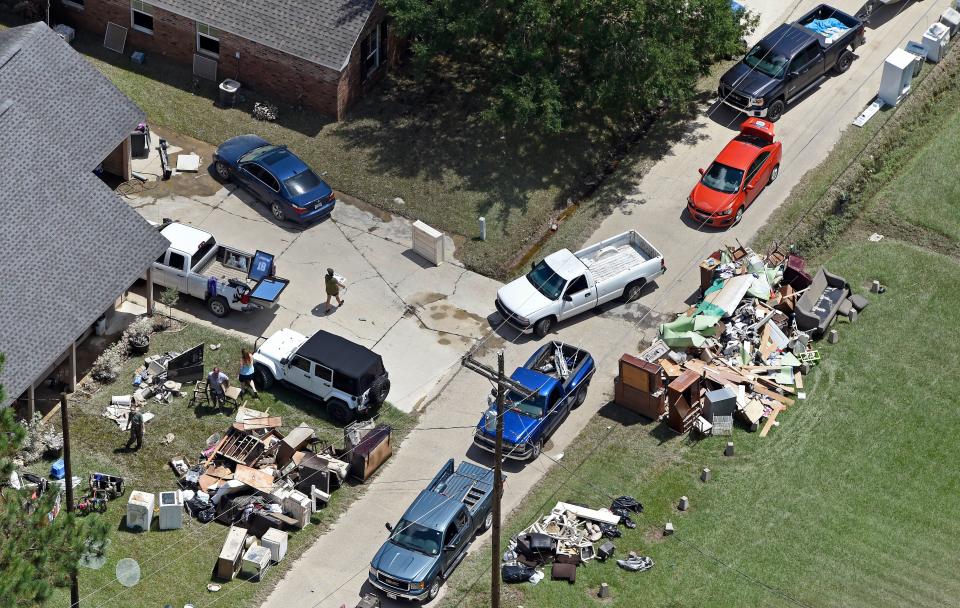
136,427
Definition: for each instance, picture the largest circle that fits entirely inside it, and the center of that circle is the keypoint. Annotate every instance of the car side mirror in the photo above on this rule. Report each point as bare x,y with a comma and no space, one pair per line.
388,526
450,547
702,170
493,393
749,187
284,361
793,75
567,297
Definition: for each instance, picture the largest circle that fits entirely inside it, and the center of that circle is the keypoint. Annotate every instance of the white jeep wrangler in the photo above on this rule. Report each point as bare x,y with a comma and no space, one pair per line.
350,378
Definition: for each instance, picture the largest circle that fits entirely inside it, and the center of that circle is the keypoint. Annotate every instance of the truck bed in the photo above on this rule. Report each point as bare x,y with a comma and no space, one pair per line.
829,25
468,484
221,266
616,255
545,360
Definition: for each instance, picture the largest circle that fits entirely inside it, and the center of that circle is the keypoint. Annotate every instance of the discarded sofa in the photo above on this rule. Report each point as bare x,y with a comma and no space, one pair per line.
817,307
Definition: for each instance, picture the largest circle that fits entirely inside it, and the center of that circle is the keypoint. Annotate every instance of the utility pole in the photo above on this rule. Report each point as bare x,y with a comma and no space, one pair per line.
503,384
68,477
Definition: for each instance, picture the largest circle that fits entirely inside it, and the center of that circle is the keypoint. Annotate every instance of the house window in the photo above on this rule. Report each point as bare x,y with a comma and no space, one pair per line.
74,3
208,40
141,16
373,50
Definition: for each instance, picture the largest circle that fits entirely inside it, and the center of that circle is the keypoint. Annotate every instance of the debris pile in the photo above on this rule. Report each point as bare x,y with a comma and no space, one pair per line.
42,439
742,351
566,538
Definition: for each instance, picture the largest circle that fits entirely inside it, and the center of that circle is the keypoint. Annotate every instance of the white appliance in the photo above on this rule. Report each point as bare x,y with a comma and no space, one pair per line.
255,562
276,541
140,511
951,19
917,49
171,510
298,506
935,40
897,76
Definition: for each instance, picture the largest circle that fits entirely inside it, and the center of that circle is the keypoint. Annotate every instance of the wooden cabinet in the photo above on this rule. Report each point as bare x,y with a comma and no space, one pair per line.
640,387
683,401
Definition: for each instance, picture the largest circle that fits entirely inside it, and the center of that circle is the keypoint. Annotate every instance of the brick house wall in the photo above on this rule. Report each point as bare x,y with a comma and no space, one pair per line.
260,68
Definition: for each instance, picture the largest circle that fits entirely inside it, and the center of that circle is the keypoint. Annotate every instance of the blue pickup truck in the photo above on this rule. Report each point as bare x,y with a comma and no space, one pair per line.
433,535
555,380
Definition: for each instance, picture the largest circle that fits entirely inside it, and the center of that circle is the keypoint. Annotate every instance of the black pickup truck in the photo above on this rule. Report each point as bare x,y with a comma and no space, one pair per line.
791,60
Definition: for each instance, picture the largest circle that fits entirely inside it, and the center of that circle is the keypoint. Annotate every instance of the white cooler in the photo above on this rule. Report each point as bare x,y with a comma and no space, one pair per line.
171,510
276,541
140,511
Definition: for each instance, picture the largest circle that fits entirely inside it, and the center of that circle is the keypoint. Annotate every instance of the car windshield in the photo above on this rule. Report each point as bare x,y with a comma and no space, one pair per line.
413,536
252,154
722,178
547,282
766,61
528,405
302,182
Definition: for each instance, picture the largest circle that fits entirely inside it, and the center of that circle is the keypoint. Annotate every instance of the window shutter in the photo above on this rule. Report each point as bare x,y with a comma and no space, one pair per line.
364,51
384,55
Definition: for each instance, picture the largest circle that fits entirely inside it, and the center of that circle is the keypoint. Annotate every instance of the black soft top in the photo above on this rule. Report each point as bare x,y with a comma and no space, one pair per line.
342,356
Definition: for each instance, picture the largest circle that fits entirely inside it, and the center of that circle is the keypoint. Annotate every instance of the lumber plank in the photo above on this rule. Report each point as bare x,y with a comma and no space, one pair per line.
770,420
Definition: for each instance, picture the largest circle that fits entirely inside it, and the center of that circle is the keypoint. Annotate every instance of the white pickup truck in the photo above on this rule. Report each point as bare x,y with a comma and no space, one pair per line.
223,277
565,284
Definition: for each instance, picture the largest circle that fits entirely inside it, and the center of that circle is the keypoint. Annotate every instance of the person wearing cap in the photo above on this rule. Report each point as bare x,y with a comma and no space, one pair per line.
136,427
333,286
217,381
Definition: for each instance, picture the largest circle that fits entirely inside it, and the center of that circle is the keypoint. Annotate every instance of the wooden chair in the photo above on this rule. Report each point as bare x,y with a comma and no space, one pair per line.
232,395
200,394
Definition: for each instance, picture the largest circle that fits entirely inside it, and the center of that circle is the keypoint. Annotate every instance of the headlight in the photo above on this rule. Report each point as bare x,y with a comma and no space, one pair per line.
725,212
756,101
419,585
373,571
521,320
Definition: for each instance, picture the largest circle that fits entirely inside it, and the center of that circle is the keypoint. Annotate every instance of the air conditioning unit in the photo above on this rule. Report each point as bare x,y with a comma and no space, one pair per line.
140,511
171,510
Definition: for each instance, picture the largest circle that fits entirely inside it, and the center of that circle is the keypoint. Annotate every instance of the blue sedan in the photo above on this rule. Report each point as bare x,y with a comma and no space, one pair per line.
276,176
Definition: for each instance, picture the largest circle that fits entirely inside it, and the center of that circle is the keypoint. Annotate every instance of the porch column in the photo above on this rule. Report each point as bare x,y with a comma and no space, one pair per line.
30,403
72,379
150,290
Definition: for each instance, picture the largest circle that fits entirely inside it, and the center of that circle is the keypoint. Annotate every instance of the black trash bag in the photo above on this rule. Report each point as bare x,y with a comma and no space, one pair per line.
207,515
610,531
627,503
516,573
627,521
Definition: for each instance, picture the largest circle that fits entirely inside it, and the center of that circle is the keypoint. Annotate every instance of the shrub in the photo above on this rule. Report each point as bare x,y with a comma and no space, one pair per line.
138,330
109,364
264,111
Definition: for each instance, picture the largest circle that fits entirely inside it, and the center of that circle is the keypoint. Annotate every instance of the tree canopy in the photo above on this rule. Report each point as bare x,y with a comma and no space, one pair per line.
36,554
548,62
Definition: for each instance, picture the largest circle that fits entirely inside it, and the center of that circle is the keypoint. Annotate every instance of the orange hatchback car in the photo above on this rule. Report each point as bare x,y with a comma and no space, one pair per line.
737,176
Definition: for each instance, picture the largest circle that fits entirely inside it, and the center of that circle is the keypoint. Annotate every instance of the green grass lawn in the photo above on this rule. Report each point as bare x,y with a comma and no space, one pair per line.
176,565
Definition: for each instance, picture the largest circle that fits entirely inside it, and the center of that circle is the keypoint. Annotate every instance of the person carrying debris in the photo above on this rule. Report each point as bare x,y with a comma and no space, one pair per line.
333,283
136,427
217,381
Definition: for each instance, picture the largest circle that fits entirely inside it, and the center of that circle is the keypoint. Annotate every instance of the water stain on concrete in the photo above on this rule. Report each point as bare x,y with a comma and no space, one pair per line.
426,298
380,214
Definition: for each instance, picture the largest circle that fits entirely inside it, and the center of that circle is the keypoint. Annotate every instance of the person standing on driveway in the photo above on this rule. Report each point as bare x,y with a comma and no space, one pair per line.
246,372
333,285
136,428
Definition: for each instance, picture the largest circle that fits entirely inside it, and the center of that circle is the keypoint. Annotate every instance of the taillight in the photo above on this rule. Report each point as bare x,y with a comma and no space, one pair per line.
663,265
328,198
298,209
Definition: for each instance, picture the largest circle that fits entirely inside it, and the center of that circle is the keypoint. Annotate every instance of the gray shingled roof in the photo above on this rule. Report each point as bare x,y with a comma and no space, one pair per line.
320,31
69,246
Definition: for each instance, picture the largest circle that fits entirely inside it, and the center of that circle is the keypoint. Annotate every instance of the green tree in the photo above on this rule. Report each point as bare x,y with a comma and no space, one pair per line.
36,555
550,62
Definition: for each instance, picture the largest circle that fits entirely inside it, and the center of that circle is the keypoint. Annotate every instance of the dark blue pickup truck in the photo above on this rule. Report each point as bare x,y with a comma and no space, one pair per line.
434,533
555,380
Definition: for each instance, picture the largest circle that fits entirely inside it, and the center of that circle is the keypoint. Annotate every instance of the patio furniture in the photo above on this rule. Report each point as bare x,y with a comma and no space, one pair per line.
200,394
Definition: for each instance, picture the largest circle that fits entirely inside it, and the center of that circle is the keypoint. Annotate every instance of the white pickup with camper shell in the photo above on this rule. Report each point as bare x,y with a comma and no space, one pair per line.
223,277
566,284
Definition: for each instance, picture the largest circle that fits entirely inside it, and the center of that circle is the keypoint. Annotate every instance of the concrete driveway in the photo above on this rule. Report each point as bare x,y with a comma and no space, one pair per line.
422,319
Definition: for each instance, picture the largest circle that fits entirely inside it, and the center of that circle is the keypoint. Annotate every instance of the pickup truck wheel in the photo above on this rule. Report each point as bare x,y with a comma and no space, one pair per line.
339,412
537,450
844,61
633,291
262,377
379,391
218,306
277,212
542,327
487,522
581,396
434,589
223,171
776,110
